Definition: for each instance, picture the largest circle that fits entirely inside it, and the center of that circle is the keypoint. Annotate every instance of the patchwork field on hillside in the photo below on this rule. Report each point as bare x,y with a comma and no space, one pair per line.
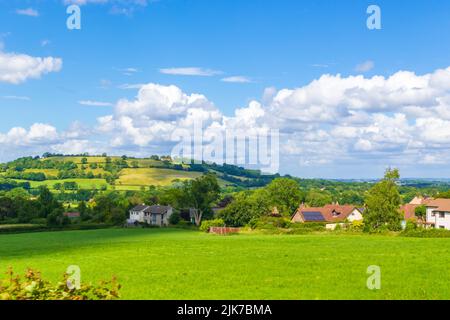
153,176
82,183
178,264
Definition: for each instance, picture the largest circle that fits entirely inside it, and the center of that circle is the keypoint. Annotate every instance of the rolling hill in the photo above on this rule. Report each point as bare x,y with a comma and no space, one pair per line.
120,173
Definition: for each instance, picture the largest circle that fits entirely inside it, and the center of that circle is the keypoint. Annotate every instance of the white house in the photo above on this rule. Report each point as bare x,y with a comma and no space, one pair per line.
438,213
154,215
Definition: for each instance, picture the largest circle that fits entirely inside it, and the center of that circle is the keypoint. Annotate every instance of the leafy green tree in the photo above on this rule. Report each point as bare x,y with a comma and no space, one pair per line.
110,207
18,194
84,160
318,198
118,215
175,218
83,210
57,218
421,213
383,201
7,208
285,194
200,194
26,210
351,197
47,202
247,205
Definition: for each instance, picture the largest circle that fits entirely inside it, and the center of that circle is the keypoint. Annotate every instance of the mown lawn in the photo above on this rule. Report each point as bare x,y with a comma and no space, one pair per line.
179,264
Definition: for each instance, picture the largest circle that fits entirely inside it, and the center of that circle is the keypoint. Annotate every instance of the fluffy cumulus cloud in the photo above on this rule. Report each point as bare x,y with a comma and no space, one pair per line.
154,114
18,68
403,119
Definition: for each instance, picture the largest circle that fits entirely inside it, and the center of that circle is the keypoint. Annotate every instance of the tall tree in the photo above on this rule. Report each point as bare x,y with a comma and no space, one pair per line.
285,194
383,201
200,194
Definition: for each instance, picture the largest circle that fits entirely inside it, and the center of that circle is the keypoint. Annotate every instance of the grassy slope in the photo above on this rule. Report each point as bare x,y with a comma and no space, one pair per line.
82,183
153,176
175,264
130,179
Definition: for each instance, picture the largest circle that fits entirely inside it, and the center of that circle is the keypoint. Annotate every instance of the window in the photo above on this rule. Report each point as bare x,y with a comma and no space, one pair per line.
441,227
441,214
153,218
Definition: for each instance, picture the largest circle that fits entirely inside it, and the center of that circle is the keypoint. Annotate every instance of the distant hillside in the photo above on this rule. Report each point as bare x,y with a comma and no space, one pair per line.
119,173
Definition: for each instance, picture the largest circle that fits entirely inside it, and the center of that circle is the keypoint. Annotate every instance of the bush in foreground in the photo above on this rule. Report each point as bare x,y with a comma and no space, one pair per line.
33,287
206,224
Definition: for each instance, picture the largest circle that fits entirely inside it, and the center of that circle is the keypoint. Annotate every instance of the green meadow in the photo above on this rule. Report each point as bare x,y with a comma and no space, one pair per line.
82,183
181,264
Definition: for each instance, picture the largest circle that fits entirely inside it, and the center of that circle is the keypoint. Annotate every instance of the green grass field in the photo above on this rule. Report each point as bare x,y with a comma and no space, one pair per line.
179,264
82,183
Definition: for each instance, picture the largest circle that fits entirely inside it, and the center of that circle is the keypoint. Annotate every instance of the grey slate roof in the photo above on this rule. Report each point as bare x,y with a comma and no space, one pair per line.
151,209
140,207
157,209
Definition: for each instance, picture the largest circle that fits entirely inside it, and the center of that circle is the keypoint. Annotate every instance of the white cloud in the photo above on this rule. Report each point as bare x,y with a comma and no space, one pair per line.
17,68
23,98
38,133
95,103
154,115
334,120
28,12
128,71
237,79
365,66
190,71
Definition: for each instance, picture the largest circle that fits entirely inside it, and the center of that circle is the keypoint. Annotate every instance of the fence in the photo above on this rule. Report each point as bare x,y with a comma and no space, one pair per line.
223,230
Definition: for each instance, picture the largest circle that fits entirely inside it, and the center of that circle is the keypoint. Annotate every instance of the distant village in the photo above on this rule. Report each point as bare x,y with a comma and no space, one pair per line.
437,214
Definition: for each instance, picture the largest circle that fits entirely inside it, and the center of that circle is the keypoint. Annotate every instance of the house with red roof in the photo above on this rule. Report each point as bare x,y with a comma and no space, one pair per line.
331,213
437,211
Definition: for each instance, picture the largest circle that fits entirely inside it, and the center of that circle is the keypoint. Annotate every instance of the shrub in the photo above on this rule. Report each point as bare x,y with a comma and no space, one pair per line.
357,225
426,233
175,218
206,224
309,226
33,287
411,224
269,223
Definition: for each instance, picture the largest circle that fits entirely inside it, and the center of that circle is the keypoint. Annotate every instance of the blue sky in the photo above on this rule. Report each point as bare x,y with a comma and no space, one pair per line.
255,45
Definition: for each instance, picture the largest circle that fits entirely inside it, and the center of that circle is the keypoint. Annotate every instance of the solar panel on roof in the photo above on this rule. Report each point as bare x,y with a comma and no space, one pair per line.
313,216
